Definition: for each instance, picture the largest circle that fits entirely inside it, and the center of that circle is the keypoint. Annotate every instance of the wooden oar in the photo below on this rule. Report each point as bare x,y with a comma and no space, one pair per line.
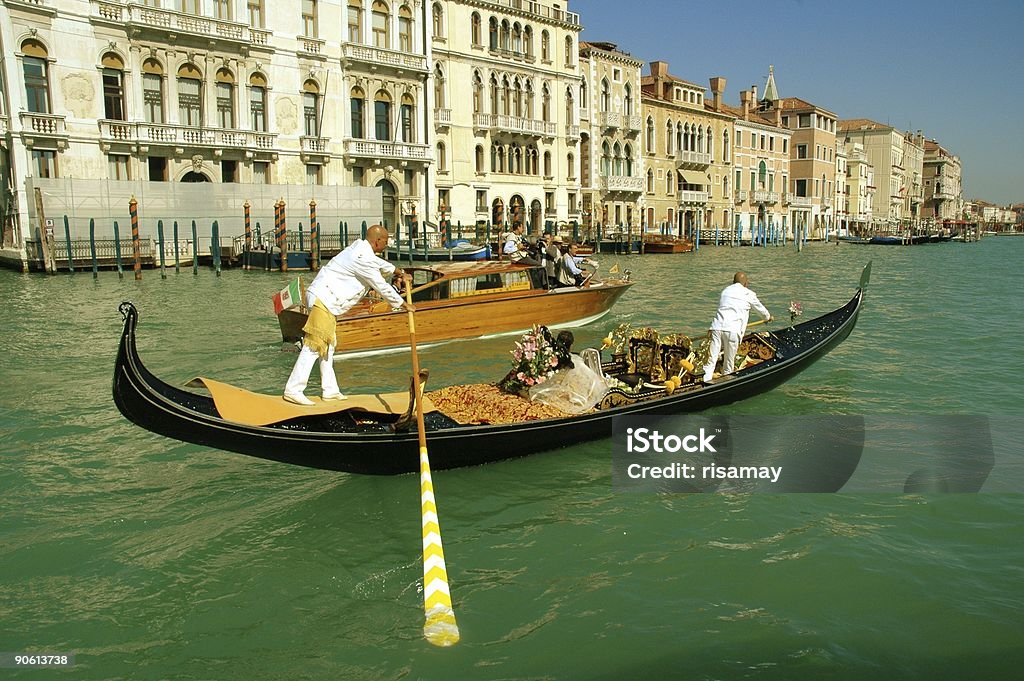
440,627
759,321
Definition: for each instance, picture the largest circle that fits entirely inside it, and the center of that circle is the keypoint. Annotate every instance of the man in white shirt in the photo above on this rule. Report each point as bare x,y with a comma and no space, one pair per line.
730,323
337,287
515,247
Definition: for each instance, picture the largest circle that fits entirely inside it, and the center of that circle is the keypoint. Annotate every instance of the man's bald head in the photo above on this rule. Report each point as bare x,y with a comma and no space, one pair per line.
740,278
378,238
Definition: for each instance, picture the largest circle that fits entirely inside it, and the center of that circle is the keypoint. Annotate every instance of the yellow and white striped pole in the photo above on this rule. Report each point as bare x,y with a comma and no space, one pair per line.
440,627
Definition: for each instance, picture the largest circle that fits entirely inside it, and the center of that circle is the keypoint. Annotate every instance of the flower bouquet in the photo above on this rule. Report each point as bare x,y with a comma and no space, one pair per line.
795,310
534,360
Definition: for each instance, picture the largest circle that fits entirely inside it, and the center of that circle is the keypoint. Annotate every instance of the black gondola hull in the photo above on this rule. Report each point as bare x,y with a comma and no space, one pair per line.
327,442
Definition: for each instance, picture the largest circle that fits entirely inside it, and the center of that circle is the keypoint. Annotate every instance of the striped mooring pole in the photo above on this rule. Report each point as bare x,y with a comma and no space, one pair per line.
133,211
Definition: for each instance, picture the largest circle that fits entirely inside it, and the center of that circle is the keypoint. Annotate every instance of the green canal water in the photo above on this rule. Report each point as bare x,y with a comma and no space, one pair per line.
152,559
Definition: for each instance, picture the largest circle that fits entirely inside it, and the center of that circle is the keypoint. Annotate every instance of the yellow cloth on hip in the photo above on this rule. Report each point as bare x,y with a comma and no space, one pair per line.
320,330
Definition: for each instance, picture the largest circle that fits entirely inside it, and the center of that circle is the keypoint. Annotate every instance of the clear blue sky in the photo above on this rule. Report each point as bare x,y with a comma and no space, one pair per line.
954,70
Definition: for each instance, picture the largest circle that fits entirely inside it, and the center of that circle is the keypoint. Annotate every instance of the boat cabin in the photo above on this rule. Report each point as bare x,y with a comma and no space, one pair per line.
470,279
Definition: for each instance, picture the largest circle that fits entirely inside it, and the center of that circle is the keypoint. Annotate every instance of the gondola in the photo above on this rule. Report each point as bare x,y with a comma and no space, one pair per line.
342,442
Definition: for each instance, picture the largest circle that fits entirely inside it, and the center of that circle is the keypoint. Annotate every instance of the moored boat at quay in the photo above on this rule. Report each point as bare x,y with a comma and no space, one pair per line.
666,244
465,300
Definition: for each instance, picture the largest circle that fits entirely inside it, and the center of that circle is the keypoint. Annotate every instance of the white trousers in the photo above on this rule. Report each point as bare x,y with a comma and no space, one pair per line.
730,342
304,365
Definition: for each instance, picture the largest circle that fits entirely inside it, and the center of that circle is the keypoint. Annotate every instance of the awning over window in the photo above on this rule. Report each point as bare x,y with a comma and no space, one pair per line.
693,177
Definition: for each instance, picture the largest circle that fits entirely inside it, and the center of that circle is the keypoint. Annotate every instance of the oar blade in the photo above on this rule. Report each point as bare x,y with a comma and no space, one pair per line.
440,628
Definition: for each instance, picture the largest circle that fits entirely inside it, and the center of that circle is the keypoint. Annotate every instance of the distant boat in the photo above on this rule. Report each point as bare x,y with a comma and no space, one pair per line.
887,240
460,250
666,244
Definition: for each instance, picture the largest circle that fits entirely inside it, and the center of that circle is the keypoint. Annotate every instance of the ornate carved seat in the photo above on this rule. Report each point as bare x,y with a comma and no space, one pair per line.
676,348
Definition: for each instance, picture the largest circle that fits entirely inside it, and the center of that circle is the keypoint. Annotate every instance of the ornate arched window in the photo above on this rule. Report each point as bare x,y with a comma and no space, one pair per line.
382,116
258,102
380,24
225,91
357,111
153,91
437,17
439,87
113,87
190,96
475,30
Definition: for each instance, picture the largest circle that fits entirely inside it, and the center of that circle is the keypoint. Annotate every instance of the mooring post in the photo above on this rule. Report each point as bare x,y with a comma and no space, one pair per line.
117,251
283,247
160,242
195,249
67,240
246,257
215,246
177,254
133,211
314,238
92,248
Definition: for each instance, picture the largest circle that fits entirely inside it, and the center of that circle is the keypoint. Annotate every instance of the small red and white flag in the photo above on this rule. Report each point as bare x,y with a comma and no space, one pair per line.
287,297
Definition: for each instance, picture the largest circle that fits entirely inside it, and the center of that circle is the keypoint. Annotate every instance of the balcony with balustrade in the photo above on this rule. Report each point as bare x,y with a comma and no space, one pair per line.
631,124
621,183
374,58
182,136
572,132
312,48
609,119
379,149
315,148
442,118
515,125
143,22
740,196
43,127
38,6
767,198
693,160
692,198
799,201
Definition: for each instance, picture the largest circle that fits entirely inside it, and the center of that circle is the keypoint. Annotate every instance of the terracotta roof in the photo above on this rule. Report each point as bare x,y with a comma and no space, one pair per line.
863,124
754,116
788,103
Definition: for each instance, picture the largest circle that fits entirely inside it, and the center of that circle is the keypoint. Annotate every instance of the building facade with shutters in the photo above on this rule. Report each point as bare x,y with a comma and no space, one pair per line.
687,147
611,158
505,99
247,92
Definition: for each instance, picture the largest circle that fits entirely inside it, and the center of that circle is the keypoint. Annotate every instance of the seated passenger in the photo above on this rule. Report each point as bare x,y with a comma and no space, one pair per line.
569,271
515,247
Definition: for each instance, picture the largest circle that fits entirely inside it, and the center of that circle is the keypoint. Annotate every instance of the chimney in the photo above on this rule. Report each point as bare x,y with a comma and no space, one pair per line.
745,104
717,89
778,116
753,94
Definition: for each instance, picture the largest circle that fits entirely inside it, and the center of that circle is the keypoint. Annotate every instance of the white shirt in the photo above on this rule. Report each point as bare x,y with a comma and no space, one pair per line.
513,246
350,274
734,309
